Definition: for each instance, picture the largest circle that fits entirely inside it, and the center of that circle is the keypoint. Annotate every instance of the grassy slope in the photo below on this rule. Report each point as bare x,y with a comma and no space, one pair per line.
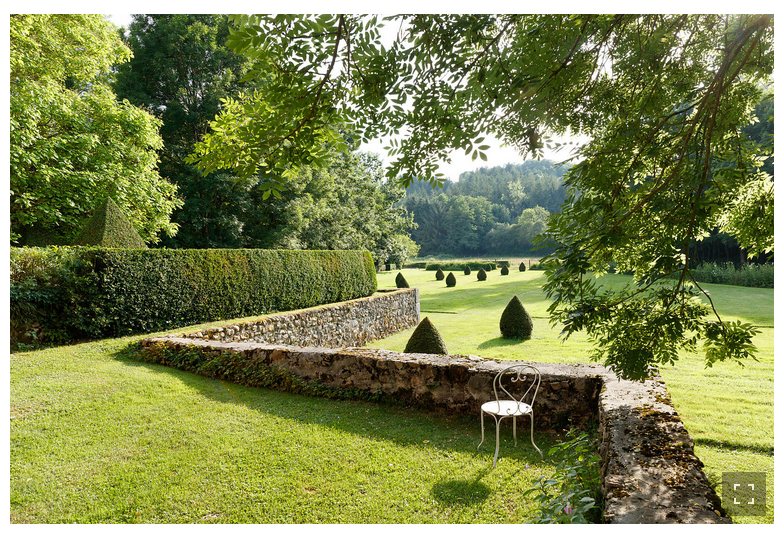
99,438
728,409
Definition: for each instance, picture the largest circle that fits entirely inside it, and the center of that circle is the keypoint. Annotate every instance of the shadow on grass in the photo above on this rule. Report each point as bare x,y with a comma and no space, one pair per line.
462,492
403,425
501,341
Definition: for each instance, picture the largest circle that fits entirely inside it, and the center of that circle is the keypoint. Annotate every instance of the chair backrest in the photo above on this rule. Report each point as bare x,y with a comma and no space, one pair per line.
527,374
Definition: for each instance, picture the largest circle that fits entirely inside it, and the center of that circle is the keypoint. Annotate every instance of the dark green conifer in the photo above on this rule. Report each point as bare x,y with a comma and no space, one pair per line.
400,281
109,227
450,280
426,340
439,274
522,266
504,270
515,321
482,275
467,270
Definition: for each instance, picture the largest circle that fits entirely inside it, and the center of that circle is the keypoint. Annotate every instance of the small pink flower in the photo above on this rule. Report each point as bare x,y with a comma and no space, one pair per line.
568,509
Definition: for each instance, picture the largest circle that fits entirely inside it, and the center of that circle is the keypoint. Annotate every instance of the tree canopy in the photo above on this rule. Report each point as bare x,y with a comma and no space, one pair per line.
664,98
71,142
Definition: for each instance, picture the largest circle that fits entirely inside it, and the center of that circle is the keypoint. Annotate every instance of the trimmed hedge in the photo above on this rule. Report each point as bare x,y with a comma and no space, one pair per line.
81,293
459,266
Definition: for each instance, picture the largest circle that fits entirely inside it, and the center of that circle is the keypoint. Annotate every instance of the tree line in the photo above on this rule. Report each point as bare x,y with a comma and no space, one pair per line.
490,211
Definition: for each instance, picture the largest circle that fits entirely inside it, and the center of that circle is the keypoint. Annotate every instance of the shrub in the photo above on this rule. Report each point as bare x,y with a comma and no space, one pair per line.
109,227
458,265
439,275
100,292
573,494
522,267
748,274
515,321
400,281
451,280
426,340
467,270
482,275
504,270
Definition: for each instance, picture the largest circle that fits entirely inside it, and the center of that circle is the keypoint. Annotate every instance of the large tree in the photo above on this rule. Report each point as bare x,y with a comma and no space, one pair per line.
664,98
72,144
182,70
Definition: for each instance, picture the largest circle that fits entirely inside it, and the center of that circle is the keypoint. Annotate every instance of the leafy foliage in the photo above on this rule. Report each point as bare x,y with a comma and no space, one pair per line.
109,227
573,493
522,267
747,275
426,340
467,270
515,321
439,274
482,275
504,270
71,142
451,280
664,99
98,292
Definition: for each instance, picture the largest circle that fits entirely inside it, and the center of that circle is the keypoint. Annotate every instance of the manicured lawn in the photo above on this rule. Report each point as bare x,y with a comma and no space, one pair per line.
99,438
727,409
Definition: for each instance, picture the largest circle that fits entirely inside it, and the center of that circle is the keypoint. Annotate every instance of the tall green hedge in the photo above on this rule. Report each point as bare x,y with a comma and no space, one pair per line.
78,293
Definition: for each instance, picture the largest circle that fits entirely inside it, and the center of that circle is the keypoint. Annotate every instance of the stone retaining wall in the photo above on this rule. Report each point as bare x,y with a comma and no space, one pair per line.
649,471
344,324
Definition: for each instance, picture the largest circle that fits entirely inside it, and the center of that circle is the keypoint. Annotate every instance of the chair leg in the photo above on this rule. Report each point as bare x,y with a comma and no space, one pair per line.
495,458
514,429
532,435
482,421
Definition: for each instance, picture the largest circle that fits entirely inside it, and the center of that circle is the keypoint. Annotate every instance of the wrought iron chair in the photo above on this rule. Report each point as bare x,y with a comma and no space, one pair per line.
500,409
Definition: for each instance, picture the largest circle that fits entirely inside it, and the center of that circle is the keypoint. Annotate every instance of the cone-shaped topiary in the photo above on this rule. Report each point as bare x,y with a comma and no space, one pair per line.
109,227
450,280
439,274
504,270
482,275
400,281
515,321
522,266
467,270
426,340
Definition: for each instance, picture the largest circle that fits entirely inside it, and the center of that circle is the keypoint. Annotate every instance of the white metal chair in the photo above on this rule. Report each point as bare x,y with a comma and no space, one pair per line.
522,403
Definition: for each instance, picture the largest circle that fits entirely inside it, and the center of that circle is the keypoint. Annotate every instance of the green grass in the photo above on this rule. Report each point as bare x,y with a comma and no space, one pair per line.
99,438
727,409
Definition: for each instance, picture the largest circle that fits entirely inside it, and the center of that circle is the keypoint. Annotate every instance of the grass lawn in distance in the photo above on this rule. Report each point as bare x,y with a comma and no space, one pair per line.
727,409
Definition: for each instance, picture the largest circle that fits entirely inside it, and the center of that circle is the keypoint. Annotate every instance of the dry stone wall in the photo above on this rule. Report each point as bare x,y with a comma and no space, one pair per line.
649,471
345,324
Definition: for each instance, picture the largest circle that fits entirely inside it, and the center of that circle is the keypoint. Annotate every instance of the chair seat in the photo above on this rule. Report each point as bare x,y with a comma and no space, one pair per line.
506,408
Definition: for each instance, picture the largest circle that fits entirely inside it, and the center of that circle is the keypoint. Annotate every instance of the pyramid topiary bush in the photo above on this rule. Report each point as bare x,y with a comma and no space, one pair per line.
451,280
426,340
515,321
439,274
400,281
522,266
109,227
504,270
467,270
482,275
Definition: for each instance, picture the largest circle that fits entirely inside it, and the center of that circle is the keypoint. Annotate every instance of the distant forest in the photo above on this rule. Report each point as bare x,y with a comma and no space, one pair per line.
497,211
490,211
